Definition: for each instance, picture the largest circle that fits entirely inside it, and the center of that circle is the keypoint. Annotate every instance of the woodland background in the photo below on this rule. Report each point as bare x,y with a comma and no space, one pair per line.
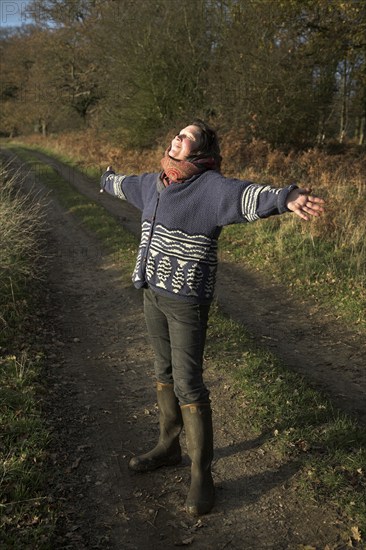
291,72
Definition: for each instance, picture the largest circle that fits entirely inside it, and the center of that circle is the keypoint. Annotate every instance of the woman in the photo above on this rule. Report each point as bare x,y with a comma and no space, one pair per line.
184,208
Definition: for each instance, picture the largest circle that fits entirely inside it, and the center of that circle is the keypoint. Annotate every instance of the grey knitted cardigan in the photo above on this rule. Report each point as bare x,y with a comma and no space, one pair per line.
181,224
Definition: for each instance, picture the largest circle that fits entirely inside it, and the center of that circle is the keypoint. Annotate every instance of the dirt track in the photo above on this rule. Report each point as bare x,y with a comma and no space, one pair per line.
102,407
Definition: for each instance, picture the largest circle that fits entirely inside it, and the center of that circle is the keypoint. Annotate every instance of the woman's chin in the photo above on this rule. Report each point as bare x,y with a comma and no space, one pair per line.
174,153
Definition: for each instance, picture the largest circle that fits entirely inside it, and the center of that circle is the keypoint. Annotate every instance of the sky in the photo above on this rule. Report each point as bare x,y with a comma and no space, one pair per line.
12,13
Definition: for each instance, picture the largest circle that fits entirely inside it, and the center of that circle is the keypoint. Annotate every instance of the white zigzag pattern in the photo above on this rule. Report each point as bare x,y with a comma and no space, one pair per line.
249,200
185,247
145,228
177,259
178,278
143,243
117,187
164,271
210,283
194,279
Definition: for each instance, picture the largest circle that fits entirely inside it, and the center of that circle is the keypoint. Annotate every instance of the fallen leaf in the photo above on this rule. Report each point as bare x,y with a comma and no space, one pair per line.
199,524
185,542
356,534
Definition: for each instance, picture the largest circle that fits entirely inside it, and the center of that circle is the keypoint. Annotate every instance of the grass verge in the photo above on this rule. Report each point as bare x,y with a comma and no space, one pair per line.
300,423
26,514
93,216
310,265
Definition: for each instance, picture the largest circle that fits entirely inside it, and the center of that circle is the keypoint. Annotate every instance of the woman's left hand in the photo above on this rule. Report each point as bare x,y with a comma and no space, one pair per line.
303,204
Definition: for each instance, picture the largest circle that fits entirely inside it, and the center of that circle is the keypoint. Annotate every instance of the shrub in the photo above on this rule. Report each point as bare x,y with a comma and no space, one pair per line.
21,223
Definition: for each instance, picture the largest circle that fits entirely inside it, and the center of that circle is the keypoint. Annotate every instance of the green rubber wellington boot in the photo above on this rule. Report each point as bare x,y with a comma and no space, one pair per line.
197,420
167,452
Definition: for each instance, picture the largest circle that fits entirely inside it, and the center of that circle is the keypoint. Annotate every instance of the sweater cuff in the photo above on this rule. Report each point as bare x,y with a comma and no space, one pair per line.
282,198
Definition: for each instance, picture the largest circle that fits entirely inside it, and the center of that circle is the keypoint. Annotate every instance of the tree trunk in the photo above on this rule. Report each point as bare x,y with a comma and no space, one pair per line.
44,127
13,132
343,120
361,136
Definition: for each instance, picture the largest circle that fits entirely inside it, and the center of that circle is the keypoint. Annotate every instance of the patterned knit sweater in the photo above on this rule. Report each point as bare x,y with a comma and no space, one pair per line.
181,224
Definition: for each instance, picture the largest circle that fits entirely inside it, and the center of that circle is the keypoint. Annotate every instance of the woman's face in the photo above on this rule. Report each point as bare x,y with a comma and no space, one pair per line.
185,143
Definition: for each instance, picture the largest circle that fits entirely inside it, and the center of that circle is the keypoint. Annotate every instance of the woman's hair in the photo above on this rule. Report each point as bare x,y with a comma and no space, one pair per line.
208,145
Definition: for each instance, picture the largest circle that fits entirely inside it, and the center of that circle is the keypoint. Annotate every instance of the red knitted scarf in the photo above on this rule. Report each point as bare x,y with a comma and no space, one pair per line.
177,171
